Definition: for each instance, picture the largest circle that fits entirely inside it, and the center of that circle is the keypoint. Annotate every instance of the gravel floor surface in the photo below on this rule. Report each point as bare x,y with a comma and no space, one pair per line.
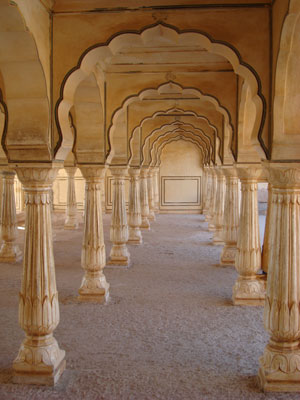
169,330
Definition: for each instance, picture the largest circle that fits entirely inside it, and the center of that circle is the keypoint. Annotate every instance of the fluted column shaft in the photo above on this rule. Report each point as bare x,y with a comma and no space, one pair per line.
134,207
212,209
249,288
219,213
94,286
40,360
231,217
208,195
266,244
280,364
144,199
9,251
156,188
204,190
150,187
71,221
119,254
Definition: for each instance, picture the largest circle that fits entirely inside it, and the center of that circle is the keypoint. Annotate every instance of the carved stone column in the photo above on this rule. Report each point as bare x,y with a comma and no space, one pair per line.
280,364
103,192
71,221
40,360
156,188
119,254
9,251
219,210
93,286
150,187
208,195
249,289
266,245
231,217
204,190
134,208
144,199
212,209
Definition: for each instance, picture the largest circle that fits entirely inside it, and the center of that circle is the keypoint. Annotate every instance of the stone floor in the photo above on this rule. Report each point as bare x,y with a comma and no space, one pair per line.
169,330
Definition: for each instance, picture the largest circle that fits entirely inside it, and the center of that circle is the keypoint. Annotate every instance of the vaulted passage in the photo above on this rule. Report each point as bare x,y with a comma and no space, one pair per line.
169,331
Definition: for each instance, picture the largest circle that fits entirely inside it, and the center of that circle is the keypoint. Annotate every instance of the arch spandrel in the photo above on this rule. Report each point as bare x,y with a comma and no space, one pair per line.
88,109
28,135
286,120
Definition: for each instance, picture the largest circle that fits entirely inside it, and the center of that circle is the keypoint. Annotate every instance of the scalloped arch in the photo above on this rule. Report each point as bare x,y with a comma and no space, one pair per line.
160,132
173,139
157,35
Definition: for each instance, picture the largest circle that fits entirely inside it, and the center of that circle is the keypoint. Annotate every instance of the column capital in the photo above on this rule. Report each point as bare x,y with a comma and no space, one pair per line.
71,171
37,175
144,172
118,171
249,171
230,171
134,172
285,175
91,171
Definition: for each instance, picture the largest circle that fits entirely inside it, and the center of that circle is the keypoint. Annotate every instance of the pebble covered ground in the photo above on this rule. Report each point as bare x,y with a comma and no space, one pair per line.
168,332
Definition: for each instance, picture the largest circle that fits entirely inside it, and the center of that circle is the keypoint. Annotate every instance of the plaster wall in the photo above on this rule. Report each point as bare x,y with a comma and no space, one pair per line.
180,178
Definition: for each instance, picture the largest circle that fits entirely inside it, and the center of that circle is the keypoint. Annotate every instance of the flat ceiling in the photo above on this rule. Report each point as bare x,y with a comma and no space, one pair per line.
59,6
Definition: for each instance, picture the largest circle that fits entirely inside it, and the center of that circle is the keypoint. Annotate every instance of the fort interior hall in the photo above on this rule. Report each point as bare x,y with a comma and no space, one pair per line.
150,199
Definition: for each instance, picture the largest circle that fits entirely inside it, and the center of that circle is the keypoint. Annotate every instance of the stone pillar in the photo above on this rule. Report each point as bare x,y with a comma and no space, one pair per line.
9,251
231,217
103,192
71,221
249,289
212,209
219,210
119,254
204,190
150,187
280,363
144,199
134,208
40,360
93,286
208,195
266,246
156,188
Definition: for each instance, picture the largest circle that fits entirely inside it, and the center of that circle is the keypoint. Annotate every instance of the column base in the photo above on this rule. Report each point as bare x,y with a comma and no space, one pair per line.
228,255
151,216
211,227
135,242
119,255
10,253
71,224
40,362
95,289
280,368
135,236
249,291
217,239
145,223
207,218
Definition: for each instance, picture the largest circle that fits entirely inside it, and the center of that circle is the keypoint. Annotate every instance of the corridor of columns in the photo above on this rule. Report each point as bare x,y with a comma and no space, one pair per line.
134,115
169,330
